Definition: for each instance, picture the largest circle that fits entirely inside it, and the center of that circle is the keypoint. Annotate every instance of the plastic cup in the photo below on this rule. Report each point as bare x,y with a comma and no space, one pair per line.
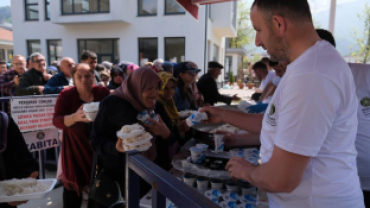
202,183
232,187
236,153
91,115
216,184
189,179
197,155
196,118
219,142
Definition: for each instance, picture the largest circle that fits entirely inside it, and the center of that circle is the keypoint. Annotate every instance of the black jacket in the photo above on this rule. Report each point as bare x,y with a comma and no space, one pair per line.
115,112
29,82
19,162
208,87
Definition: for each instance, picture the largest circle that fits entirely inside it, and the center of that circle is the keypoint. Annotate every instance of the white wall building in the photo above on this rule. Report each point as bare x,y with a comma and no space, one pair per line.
6,43
117,30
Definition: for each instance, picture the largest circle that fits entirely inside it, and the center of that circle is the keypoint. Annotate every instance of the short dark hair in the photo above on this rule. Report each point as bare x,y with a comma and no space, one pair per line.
296,10
326,35
2,62
214,64
260,66
265,60
88,54
100,67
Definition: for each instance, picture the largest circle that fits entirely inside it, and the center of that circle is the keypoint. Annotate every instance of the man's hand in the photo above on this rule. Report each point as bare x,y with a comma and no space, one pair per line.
230,139
41,89
158,128
66,87
16,80
47,77
80,116
214,114
236,98
239,168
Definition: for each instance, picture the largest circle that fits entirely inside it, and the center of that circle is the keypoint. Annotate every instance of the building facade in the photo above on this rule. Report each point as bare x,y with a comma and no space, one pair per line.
122,30
233,60
6,43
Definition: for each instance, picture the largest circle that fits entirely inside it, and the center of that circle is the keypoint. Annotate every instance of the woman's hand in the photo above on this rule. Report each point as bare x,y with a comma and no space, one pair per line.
80,116
119,145
158,128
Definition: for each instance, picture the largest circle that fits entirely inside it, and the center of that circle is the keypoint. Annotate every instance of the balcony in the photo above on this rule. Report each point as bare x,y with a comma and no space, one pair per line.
223,16
91,11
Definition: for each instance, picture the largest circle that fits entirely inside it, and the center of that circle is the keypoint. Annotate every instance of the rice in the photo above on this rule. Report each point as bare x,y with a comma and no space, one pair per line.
138,138
227,128
130,128
127,147
21,187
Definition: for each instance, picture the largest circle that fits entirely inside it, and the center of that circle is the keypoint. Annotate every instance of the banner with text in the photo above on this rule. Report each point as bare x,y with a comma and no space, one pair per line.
41,140
33,114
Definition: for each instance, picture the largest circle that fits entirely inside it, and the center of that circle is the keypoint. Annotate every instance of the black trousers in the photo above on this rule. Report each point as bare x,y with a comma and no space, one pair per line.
367,198
71,199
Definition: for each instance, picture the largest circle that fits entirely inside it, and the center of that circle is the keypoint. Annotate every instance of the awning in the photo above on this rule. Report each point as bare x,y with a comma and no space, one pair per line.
192,5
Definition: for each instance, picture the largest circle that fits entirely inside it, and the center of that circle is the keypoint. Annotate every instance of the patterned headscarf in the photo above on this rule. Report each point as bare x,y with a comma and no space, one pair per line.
169,105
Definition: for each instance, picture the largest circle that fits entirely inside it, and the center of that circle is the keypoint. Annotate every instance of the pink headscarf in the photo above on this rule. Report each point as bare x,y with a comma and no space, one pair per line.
132,67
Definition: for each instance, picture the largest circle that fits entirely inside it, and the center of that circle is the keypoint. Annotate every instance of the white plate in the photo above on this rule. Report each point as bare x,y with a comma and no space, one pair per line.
49,182
139,142
129,135
140,150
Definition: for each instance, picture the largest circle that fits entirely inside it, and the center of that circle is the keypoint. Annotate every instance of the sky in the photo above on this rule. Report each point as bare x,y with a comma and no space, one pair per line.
4,3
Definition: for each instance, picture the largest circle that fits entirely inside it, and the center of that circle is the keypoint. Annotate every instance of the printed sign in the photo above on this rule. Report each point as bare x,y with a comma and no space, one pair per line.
41,140
33,114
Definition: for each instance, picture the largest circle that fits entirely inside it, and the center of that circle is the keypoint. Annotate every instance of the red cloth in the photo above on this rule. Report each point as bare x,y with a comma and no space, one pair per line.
76,152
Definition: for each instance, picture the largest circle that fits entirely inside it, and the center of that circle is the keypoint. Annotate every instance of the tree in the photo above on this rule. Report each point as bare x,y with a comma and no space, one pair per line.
231,79
363,54
245,33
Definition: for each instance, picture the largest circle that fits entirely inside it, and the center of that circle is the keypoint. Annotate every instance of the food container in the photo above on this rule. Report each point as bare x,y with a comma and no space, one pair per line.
202,183
91,110
212,194
246,205
219,142
248,199
232,186
230,196
50,183
216,184
189,179
197,155
228,204
196,118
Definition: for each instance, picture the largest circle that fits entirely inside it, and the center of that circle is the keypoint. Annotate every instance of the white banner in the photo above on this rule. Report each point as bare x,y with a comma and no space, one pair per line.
33,114
41,140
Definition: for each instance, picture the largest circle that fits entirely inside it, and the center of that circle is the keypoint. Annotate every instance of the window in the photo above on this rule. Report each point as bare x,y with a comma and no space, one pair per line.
32,9
84,6
2,55
47,9
215,53
105,49
147,7
10,55
174,49
33,46
148,50
172,7
55,51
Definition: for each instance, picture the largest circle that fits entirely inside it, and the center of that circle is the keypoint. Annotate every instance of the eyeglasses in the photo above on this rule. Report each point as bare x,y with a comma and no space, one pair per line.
39,60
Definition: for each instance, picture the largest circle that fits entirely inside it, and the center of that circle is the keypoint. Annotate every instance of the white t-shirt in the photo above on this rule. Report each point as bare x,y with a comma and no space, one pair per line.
361,74
276,80
268,78
314,113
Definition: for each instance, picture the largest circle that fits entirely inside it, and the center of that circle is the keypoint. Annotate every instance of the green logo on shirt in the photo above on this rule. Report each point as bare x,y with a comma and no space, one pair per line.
365,102
272,109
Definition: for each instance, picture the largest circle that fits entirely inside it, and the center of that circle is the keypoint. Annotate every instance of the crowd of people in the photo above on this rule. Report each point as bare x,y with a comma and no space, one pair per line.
305,119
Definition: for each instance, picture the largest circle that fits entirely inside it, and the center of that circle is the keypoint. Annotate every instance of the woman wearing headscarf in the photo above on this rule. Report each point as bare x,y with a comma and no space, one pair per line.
138,92
76,154
117,76
184,95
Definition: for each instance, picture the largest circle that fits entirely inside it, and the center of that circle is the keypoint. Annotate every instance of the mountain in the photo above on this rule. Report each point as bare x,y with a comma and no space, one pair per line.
5,14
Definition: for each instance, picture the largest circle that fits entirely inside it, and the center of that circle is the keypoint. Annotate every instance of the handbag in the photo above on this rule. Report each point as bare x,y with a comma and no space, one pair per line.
106,191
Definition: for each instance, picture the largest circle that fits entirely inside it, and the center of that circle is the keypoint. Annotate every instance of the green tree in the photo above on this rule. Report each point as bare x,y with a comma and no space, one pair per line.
245,33
363,54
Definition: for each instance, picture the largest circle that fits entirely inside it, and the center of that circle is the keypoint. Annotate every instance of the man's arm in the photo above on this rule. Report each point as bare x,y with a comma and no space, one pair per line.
249,122
25,87
287,168
268,91
53,86
246,139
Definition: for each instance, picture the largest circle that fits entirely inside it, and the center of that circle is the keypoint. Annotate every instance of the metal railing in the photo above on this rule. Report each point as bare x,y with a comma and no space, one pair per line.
164,185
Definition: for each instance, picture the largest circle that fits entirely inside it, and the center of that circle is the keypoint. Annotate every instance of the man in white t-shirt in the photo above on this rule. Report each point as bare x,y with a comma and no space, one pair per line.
308,132
263,74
